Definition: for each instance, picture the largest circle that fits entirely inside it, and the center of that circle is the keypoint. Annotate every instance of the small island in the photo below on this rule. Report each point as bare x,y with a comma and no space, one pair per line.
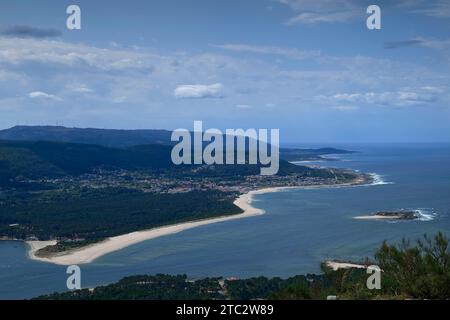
391,215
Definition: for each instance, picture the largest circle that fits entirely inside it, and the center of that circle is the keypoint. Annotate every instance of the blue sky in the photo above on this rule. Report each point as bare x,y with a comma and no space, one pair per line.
310,68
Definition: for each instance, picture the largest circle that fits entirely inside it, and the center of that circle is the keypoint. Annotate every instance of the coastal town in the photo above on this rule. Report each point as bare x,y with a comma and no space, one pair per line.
199,180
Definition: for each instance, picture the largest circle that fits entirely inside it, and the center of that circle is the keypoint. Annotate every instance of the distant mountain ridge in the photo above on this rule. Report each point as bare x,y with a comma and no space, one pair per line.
121,138
105,137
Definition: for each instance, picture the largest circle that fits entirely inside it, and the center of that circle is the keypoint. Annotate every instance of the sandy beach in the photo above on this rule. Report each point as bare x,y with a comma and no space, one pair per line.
344,265
377,217
90,253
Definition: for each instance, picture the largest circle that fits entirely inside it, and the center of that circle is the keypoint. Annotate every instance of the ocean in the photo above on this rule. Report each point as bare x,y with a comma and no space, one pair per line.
301,228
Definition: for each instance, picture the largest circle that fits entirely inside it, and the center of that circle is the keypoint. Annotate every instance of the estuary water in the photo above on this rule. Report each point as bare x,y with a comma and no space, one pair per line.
300,229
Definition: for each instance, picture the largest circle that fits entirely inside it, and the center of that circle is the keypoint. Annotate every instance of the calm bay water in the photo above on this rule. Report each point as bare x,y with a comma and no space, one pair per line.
300,229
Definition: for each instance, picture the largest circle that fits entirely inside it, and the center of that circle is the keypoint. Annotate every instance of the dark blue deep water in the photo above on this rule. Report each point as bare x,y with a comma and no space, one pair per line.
301,228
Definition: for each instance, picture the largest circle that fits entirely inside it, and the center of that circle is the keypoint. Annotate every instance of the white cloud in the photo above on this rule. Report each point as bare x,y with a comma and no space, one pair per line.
346,108
318,6
79,88
74,70
433,89
11,76
43,95
119,99
339,11
328,17
439,9
244,106
435,43
17,51
325,11
399,98
348,97
287,52
199,91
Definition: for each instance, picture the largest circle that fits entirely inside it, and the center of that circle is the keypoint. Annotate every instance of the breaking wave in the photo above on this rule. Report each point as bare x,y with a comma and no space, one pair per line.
424,214
378,180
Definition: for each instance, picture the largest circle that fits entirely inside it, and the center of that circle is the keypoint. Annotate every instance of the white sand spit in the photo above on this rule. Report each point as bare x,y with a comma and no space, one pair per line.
90,253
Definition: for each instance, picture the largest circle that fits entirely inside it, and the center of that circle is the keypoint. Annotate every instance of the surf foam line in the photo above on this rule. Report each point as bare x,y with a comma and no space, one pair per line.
425,214
378,180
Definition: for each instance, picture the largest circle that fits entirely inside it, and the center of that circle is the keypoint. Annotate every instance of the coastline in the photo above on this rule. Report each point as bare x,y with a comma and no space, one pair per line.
378,217
336,265
38,245
92,252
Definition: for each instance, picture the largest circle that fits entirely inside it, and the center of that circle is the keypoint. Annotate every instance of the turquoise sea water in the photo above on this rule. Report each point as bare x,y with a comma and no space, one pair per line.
300,229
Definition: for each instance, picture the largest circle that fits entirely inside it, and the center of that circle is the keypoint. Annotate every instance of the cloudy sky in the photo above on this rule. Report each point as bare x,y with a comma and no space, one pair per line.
310,68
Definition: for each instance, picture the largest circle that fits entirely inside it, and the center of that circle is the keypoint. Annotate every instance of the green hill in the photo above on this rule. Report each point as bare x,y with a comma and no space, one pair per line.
55,159
41,159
